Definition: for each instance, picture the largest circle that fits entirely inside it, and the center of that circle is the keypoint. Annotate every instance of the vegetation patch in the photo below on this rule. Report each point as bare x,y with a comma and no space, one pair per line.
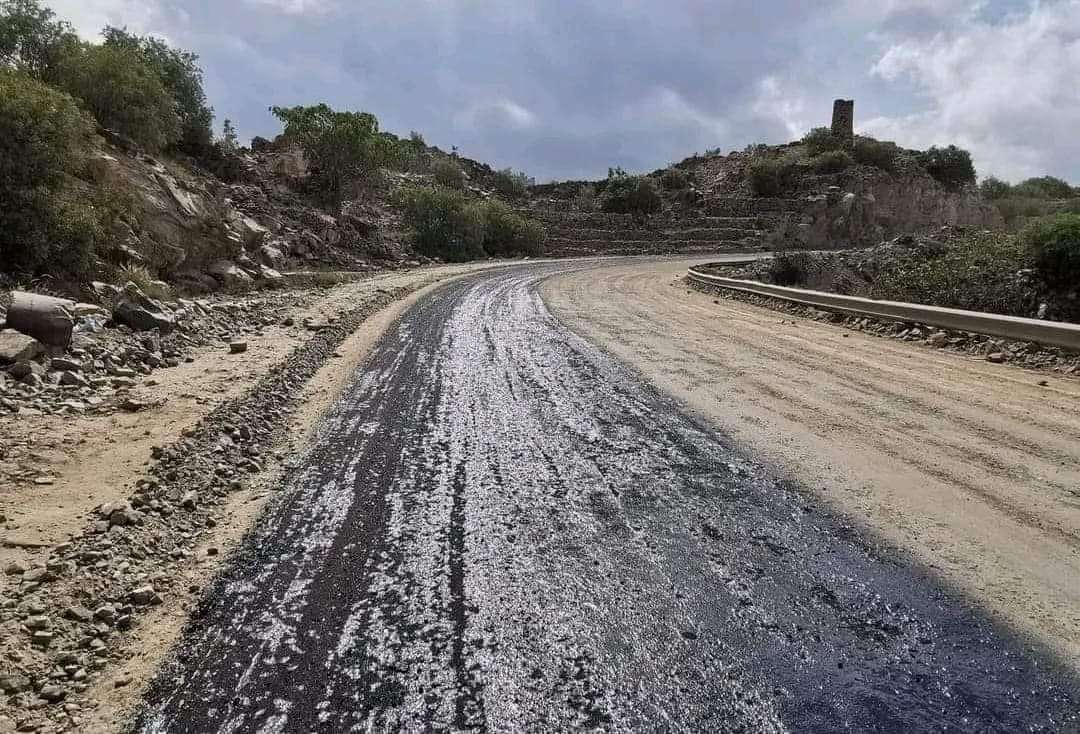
447,224
626,194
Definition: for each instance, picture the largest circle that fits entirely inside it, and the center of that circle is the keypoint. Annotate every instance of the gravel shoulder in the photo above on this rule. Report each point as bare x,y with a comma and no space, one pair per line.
97,460
972,467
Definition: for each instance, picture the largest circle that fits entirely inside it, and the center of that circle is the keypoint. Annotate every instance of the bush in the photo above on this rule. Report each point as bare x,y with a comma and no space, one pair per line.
449,225
448,173
789,268
978,272
770,176
674,179
509,233
511,185
993,188
1044,187
951,166
876,153
821,140
181,76
43,140
445,223
123,93
834,161
1054,244
1016,209
626,194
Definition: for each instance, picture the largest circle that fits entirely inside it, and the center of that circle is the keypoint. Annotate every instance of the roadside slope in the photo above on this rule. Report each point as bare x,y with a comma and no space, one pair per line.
974,468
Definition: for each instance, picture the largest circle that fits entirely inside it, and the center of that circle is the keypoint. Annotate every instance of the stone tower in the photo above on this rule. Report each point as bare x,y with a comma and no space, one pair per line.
843,119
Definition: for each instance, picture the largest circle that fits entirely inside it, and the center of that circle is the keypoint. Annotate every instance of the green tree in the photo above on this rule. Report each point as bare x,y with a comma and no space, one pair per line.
123,93
993,188
342,146
44,136
181,75
1054,242
32,40
1044,187
229,140
951,166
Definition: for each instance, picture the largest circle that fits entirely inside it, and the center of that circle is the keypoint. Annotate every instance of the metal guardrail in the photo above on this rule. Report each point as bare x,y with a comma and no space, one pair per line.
1053,333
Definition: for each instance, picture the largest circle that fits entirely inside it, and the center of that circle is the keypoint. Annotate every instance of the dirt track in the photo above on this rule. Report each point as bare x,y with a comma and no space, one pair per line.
973,467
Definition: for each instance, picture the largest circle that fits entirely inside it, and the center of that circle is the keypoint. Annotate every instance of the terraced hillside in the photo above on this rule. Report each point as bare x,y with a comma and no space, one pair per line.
735,225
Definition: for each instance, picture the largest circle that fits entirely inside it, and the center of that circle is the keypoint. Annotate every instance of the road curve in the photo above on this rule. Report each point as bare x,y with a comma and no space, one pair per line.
501,528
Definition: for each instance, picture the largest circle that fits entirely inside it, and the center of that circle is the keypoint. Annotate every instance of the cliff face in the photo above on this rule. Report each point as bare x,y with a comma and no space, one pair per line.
860,211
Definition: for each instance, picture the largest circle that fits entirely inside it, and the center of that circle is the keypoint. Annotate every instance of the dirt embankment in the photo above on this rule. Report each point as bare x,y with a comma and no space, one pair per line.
972,467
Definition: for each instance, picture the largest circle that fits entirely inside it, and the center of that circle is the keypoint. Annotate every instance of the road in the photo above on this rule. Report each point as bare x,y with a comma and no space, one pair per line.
502,528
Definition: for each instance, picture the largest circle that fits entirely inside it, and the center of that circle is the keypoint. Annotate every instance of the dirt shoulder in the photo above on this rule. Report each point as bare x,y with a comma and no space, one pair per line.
100,460
972,467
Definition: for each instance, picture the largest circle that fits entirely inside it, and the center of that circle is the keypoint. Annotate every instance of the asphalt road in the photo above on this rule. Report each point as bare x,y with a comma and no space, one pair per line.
501,528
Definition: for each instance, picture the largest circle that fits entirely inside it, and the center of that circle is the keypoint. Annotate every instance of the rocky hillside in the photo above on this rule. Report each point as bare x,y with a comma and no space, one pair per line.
763,198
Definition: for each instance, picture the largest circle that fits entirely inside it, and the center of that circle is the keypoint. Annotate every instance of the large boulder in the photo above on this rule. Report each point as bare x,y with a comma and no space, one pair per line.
135,309
45,318
18,347
230,275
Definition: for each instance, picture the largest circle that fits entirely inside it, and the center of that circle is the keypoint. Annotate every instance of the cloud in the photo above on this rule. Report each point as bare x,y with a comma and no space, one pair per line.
499,114
1005,89
90,16
295,7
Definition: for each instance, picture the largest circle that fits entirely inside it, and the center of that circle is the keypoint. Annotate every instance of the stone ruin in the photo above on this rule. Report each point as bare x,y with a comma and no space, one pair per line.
843,119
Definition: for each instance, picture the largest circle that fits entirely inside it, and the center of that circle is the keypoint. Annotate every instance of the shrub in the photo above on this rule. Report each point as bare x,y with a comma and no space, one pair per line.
1016,209
31,39
993,188
770,176
834,161
821,140
448,173
123,93
509,233
1054,244
951,166
789,268
674,179
511,185
877,153
445,223
43,140
181,76
626,194
977,271
1044,187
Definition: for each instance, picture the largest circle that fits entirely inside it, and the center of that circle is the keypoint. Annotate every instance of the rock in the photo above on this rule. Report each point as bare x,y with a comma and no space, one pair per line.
106,613
45,318
24,369
190,500
73,379
135,309
144,596
105,290
938,339
14,683
15,568
38,575
133,405
995,357
52,693
230,274
272,254
237,347
18,347
79,614
62,364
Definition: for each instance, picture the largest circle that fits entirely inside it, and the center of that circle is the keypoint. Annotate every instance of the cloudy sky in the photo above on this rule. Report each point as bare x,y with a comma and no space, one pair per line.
566,88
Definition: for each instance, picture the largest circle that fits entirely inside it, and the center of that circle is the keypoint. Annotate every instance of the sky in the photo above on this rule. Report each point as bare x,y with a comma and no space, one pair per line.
563,89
